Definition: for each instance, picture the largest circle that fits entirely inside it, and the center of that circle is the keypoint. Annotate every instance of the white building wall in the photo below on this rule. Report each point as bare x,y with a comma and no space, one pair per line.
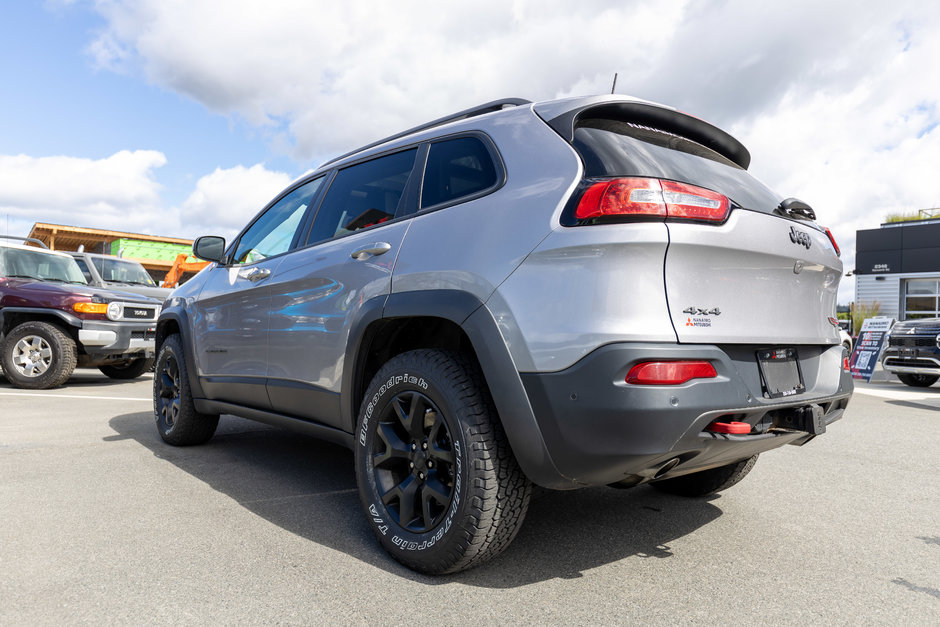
888,291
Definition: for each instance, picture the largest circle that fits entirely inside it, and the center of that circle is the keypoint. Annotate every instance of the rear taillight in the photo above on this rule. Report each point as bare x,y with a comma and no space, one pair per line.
669,372
833,240
627,197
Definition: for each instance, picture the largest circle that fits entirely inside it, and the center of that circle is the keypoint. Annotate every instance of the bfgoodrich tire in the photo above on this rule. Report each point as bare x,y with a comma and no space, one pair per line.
38,356
707,482
918,380
437,479
177,419
130,370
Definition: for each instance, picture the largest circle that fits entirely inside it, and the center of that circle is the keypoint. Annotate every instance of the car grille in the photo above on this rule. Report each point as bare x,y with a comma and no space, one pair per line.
143,335
134,312
913,341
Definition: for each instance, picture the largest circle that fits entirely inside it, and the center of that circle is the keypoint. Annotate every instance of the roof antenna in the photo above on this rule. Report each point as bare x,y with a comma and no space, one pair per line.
614,86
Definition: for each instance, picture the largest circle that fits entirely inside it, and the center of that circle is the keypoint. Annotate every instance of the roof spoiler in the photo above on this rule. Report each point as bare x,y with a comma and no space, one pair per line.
657,117
489,107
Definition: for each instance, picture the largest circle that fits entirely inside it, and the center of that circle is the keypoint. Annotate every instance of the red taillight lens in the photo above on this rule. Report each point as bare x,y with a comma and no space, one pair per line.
652,197
833,240
622,197
669,372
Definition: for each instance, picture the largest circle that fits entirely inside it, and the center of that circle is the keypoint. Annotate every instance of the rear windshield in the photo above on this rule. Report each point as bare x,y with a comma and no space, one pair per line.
615,148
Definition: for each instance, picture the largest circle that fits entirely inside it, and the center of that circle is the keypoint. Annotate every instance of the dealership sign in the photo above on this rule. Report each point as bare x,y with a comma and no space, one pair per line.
868,347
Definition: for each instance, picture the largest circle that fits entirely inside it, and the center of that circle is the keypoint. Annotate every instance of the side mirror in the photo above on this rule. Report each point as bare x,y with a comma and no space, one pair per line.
209,248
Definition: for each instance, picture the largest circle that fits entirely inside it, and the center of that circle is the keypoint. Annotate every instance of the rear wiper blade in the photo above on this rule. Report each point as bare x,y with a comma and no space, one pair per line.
796,208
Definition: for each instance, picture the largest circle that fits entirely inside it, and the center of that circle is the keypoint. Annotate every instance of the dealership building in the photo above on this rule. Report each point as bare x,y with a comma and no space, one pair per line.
898,267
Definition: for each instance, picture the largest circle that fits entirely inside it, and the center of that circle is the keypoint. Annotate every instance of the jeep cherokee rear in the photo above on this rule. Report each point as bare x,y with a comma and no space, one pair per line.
51,321
574,293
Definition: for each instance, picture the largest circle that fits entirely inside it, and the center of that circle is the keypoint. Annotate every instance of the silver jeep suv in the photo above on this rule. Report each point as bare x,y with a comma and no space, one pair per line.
572,293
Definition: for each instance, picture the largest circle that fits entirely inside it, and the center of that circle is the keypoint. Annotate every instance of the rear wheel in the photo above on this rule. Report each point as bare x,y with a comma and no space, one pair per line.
918,380
437,479
129,370
38,356
177,419
707,482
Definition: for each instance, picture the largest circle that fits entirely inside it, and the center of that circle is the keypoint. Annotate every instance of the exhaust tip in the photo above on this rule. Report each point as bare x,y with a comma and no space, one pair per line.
672,463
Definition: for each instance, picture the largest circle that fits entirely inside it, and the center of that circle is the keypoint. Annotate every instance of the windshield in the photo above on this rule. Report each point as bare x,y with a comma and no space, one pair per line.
18,262
114,270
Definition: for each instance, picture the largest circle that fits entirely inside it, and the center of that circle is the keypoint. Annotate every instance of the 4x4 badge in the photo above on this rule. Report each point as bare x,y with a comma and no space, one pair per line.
698,311
800,237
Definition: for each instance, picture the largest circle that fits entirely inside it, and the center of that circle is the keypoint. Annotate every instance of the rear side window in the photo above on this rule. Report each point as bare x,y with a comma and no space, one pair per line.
363,195
457,168
615,148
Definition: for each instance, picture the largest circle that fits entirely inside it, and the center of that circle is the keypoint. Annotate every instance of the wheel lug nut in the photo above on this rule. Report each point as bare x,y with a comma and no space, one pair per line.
411,464
413,446
430,464
424,446
420,475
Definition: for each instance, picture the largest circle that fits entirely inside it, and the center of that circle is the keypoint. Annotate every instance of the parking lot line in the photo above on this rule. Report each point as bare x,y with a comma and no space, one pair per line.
97,398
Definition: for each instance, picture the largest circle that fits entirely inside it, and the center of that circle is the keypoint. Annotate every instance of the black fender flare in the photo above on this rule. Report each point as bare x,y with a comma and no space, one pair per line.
496,363
70,320
178,314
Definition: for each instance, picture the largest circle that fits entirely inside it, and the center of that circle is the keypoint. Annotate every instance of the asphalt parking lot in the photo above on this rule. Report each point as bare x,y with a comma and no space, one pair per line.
102,523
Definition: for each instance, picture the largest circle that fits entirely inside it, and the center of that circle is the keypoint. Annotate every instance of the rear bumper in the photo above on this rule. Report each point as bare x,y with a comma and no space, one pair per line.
600,430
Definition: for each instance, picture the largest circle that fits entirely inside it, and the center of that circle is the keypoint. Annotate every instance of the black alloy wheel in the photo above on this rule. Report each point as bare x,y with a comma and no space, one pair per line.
167,398
174,411
412,461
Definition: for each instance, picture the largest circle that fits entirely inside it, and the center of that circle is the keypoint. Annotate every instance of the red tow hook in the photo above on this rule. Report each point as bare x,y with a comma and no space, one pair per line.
734,428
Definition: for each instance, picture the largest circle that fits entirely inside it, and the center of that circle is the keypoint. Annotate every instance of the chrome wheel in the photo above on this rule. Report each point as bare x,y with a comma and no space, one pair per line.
32,356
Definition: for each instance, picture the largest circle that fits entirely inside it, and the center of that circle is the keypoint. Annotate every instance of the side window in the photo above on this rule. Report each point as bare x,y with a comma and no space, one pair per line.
273,232
457,168
83,268
363,195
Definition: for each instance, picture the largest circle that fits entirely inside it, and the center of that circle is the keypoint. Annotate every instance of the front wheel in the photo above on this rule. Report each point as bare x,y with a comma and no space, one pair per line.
918,380
129,370
707,482
177,419
38,356
437,479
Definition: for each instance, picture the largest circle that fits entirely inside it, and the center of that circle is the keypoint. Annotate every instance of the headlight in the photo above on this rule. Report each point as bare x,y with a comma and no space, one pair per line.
90,308
115,311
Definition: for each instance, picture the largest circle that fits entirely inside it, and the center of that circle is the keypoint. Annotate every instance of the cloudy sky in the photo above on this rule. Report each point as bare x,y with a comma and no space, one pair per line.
183,117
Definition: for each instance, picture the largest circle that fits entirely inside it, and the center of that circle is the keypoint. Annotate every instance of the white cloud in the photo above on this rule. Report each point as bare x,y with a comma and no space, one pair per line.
336,75
225,200
118,190
836,101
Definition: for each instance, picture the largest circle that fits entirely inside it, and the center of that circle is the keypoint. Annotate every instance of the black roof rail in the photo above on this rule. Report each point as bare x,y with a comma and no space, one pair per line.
489,107
27,239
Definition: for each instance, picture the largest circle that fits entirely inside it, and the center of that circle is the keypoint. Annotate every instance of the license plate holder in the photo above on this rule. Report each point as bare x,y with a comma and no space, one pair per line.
780,372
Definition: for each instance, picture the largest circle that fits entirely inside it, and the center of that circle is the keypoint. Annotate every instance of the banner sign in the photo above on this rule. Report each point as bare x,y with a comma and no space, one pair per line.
868,347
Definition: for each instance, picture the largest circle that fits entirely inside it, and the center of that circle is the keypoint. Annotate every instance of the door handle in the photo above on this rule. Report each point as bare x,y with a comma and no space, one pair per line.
255,274
372,250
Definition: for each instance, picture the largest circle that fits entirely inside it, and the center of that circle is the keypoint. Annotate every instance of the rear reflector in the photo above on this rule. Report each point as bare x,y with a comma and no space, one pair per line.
669,372
652,198
833,240
736,428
